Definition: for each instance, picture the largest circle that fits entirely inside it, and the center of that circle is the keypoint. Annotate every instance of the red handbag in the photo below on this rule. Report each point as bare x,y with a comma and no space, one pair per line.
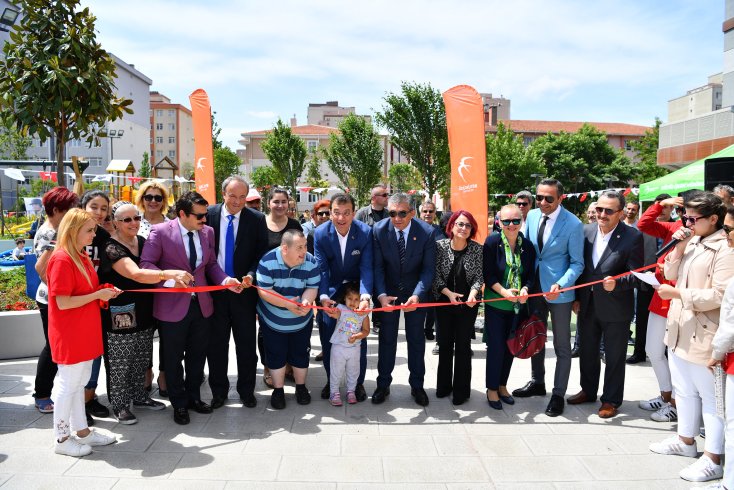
528,337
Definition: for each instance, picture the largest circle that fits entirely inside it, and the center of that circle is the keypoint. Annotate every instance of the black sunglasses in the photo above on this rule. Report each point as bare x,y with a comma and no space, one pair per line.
508,222
151,197
692,219
727,229
130,219
401,214
198,216
324,213
428,211
523,204
548,199
381,195
607,211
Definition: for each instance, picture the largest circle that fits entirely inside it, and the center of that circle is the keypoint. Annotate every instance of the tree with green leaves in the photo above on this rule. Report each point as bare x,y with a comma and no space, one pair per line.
144,170
13,144
404,177
355,156
287,153
416,122
55,79
264,178
510,164
226,164
646,166
313,171
216,131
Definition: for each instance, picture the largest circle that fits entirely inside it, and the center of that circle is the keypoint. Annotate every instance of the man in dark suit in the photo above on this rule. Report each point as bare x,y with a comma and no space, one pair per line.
610,248
404,257
185,243
643,297
240,240
343,249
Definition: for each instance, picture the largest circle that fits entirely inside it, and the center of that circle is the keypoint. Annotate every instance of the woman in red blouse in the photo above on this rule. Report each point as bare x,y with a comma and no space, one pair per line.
74,330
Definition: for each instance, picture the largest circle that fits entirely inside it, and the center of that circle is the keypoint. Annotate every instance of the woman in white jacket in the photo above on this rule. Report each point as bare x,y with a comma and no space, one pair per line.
723,344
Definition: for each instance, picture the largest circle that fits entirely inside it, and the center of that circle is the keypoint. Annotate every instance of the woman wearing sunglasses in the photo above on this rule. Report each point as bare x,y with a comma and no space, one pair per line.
152,201
320,215
702,265
128,322
509,271
458,279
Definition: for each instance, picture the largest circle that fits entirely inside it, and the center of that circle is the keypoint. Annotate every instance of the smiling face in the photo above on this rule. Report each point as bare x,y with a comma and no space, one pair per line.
428,212
278,205
151,201
607,222
322,215
543,195
194,221
99,208
129,228
235,196
342,215
295,253
402,214
462,228
631,210
510,221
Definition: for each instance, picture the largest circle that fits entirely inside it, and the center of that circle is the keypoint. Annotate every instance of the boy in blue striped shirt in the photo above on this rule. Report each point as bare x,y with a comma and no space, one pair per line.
293,273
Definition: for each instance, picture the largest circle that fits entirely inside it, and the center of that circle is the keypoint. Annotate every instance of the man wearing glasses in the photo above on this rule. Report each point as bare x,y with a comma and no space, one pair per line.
524,200
428,214
557,236
404,264
343,249
185,243
610,248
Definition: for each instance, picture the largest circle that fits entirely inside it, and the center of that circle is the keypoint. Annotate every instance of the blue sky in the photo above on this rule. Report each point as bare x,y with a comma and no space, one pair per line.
607,61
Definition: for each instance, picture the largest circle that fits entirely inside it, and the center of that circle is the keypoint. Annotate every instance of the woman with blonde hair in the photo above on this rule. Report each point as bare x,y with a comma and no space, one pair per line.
74,330
152,201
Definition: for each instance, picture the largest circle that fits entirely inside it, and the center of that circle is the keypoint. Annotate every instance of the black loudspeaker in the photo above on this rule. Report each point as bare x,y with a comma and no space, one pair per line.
718,171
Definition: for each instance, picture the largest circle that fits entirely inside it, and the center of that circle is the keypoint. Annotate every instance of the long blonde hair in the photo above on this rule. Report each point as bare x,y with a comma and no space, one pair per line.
152,185
69,228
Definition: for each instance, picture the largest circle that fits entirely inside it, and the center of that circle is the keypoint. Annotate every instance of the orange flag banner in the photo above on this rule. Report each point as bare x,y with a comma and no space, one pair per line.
203,149
465,123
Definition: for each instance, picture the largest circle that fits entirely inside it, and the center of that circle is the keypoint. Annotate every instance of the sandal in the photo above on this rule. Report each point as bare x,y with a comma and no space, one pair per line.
45,406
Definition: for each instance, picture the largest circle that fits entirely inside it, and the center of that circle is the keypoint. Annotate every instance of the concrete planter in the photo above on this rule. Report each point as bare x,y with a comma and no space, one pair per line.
21,334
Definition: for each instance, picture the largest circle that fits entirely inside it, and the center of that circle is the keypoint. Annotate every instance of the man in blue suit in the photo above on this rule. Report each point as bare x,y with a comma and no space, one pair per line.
405,255
343,249
558,238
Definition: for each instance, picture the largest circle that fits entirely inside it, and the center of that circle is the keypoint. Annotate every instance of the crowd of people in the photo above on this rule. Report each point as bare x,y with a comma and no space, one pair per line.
96,262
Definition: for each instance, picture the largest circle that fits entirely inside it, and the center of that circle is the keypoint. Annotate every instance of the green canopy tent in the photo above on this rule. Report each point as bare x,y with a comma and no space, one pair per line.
689,177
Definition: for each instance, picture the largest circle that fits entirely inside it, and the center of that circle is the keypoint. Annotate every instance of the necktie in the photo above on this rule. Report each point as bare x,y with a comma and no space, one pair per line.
401,246
229,247
541,232
192,251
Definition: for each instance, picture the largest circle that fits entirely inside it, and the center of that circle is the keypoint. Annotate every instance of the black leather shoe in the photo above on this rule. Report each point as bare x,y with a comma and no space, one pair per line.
199,406
443,392
218,402
380,395
555,406
507,399
634,359
249,401
576,351
421,398
326,391
96,409
181,416
360,393
303,397
277,399
430,335
530,389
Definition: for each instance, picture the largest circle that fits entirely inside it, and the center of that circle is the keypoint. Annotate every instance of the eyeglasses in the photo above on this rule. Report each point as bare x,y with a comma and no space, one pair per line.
130,219
324,213
463,225
727,229
401,214
692,219
151,197
523,204
199,216
381,195
548,199
607,211
508,222
428,211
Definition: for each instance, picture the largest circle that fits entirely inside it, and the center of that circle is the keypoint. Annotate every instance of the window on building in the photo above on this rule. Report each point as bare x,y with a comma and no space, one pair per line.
171,139
159,140
312,197
95,161
159,153
171,113
526,140
159,126
628,145
312,145
159,113
172,126
75,143
171,153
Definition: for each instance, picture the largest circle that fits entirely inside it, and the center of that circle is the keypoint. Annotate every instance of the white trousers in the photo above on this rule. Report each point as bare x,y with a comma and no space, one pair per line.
694,397
68,398
344,360
729,459
655,350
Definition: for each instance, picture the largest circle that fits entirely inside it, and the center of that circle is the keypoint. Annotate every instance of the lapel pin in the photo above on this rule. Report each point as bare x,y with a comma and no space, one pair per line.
414,238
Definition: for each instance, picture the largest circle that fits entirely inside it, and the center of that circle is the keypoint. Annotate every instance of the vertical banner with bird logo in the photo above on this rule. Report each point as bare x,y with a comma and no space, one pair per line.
465,123
203,150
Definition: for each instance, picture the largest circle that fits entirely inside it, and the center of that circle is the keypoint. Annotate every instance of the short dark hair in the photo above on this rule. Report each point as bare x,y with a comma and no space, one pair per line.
726,188
187,200
343,198
553,182
662,197
290,235
612,194
93,194
708,204
525,195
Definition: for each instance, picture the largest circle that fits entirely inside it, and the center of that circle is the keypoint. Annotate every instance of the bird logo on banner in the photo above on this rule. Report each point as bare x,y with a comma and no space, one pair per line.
464,166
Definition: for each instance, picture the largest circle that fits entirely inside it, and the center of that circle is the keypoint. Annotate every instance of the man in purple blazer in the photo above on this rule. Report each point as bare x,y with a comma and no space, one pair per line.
185,243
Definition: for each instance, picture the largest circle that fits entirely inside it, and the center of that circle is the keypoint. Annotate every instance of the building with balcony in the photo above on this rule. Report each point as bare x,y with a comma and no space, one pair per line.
171,131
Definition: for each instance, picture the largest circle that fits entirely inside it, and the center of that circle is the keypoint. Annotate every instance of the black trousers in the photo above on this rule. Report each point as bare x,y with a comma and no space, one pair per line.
642,314
235,314
615,339
46,368
498,324
186,341
430,319
456,324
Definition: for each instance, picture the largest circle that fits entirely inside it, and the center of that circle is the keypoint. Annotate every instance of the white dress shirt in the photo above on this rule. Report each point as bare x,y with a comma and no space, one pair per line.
197,243
342,241
223,223
552,219
600,244
406,232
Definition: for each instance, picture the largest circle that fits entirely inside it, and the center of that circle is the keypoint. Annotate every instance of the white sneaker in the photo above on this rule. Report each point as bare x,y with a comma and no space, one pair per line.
72,447
653,405
96,439
435,350
667,413
702,470
673,445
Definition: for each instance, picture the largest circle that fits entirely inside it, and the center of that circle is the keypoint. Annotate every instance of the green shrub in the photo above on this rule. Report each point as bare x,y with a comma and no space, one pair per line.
12,291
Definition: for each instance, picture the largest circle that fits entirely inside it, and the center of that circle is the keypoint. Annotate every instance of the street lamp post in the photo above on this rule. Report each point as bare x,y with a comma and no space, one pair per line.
8,18
114,134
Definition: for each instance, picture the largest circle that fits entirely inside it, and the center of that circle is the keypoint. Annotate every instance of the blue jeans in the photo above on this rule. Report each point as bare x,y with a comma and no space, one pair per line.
92,384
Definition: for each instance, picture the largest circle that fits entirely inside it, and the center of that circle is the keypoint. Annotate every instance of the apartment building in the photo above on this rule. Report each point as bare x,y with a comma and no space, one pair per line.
171,131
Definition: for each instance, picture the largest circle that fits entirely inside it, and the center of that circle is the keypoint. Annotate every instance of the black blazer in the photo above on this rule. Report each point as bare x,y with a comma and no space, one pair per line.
251,241
624,252
495,262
